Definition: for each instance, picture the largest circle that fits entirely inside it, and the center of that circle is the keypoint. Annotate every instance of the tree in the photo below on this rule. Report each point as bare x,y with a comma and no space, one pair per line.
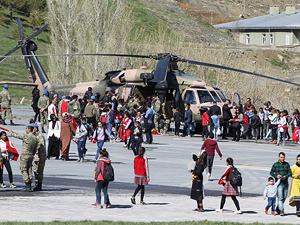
36,20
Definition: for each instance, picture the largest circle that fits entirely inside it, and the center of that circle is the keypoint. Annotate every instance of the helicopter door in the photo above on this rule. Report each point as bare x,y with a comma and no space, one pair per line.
236,100
126,92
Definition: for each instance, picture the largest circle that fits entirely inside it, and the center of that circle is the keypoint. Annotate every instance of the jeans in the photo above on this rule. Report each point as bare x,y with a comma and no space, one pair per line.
215,130
280,134
188,130
149,137
177,126
266,127
79,146
109,129
210,161
271,202
99,144
135,146
282,192
101,184
256,132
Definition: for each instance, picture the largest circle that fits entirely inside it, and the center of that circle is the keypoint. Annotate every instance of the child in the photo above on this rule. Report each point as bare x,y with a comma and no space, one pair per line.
271,192
101,183
216,124
281,128
177,118
100,135
137,138
141,172
255,123
205,121
197,186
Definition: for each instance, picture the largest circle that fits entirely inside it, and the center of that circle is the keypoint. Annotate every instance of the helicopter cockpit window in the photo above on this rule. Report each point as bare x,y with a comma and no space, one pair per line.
204,96
190,97
221,95
216,97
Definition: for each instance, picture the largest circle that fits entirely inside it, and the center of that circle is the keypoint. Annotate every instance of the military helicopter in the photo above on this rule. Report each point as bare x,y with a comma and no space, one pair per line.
165,80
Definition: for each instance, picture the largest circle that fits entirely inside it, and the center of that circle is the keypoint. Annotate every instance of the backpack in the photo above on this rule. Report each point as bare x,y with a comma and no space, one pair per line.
235,177
108,172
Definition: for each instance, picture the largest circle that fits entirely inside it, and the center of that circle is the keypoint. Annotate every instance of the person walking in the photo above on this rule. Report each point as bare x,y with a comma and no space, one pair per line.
197,186
54,137
281,170
99,180
43,104
229,190
39,158
137,138
141,175
5,101
80,136
7,150
294,199
101,134
215,121
29,148
270,193
67,130
90,113
177,118
210,146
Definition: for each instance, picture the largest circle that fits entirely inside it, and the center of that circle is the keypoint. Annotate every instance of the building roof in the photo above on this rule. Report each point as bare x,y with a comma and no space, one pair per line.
277,21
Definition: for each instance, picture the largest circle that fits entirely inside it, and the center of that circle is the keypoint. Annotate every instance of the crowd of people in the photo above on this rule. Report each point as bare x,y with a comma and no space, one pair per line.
111,118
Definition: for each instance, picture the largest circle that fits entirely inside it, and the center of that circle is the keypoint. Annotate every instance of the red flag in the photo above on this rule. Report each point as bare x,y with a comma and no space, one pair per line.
295,135
10,147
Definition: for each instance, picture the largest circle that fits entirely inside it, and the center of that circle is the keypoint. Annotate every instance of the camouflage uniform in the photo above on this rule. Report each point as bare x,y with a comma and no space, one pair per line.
157,109
29,148
168,114
5,104
74,108
43,103
59,109
39,158
97,110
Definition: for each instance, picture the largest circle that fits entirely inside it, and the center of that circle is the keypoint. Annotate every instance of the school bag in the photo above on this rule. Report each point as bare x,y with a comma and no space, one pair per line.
235,177
108,172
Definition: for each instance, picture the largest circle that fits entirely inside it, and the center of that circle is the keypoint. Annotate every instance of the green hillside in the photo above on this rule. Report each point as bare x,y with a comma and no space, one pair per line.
14,69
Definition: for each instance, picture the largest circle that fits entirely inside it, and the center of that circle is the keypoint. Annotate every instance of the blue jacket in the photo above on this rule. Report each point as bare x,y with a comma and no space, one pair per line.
188,117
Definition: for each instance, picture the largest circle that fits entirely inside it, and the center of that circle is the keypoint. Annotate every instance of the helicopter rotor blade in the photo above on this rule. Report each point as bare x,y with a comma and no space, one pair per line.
7,54
27,62
20,28
38,32
161,70
237,70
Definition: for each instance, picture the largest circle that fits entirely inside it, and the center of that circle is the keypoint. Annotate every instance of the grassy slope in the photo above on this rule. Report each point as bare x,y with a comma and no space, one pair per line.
14,69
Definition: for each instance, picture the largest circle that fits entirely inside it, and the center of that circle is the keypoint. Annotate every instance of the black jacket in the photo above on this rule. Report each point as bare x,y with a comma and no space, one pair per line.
226,112
255,121
214,108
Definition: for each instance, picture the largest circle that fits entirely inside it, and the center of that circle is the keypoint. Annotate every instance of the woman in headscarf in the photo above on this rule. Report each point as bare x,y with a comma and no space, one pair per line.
67,130
53,137
295,188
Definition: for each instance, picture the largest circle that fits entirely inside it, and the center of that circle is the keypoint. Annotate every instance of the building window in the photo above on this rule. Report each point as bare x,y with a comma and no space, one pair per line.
264,38
271,39
247,39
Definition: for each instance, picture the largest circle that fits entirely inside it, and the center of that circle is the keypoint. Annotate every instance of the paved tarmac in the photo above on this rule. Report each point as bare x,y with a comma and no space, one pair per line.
69,189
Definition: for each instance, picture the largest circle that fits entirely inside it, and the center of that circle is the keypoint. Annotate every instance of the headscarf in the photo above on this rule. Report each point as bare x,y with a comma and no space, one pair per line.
68,119
297,161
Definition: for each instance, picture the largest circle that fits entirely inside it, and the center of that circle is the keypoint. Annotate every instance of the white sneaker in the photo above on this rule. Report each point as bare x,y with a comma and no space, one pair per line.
13,186
238,212
219,210
3,185
82,160
208,177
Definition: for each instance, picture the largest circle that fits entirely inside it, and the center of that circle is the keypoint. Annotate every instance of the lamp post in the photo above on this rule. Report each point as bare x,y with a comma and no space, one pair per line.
211,14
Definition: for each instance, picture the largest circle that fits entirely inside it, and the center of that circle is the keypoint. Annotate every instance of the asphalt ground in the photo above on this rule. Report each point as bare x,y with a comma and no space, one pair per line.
69,189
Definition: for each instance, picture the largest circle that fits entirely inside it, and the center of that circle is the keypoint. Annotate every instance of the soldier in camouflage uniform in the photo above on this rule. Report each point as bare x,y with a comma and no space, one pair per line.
5,104
168,114
29,148
74,107
39,158
43,104
95,104
157,108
